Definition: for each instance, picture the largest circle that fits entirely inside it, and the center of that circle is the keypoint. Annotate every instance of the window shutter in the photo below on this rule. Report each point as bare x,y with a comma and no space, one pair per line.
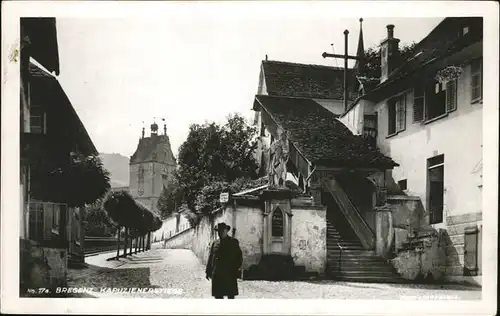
470,251
476,80
402,113
397,110
418,105
451,96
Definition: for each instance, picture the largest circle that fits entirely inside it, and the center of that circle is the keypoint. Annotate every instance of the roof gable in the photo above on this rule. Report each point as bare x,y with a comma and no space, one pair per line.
306,81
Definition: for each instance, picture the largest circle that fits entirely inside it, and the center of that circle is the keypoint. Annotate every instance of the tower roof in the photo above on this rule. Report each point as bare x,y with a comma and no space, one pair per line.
155,148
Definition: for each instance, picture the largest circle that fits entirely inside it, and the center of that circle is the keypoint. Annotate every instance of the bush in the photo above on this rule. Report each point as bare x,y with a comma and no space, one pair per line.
126,212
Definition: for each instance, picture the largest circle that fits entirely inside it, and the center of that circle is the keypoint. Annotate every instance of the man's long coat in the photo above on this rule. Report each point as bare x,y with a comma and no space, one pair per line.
223,264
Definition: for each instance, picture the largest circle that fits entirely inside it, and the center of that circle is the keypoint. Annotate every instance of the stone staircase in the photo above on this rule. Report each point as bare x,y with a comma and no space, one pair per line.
347,258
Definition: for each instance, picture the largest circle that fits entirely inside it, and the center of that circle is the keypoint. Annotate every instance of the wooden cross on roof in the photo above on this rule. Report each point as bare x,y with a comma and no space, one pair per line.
346,58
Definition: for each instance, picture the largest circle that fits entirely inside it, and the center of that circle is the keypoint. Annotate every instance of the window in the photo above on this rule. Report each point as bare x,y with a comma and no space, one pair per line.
54,210
37,120
402,184
434,100
437,101
277,223
435,180
465,30
397,114
140,179
476,80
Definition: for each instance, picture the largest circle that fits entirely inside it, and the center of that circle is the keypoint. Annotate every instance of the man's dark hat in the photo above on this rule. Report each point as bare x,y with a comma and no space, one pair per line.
222,226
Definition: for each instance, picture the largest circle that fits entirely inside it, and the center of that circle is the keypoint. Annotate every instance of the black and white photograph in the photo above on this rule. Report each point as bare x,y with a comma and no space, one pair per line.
250,151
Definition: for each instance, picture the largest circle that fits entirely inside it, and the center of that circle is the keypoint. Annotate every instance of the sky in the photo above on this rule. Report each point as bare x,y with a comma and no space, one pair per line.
121,72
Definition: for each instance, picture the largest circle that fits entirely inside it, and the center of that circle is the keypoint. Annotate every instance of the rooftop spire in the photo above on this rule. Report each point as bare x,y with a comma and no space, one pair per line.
154,128
361,49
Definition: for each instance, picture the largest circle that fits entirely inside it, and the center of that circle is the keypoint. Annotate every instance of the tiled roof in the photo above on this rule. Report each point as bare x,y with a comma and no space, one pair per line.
319,136
155,148
442,41
306,81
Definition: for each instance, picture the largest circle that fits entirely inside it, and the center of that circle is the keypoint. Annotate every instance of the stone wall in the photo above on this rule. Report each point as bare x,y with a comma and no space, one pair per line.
41,266
455,243
308,244
204,234
408,215
308,234
182,240
249,232
168,228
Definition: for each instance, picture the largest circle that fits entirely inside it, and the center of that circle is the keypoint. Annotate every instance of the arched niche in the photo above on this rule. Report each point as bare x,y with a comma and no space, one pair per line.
277,229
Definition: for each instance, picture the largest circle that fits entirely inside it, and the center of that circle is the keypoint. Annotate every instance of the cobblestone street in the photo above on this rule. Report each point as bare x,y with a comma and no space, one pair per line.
179,274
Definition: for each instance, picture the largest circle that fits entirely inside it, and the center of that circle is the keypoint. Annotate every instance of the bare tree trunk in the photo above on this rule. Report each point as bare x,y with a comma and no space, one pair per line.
126,242
118,244
131,239
148,243
136,243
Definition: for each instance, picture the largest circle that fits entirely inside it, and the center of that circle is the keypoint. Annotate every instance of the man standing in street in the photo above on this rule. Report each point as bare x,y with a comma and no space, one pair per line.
224,263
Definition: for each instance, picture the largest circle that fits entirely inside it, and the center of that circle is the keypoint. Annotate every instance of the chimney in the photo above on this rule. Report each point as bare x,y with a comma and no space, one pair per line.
389,54
143,132
390,31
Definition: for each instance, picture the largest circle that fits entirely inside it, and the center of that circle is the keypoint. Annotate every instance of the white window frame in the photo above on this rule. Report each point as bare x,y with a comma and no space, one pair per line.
399,104
476,72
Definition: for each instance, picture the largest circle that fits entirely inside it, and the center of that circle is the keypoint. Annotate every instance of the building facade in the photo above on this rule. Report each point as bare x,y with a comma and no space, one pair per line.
52,234
151,167
428,118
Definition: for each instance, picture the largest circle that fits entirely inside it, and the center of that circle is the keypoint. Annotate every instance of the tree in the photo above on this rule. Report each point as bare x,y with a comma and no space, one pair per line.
213,157
77,181
98,222
215,153
137,220
170,200
372,59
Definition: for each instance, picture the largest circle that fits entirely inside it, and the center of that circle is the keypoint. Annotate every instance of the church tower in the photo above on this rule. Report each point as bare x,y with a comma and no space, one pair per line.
151,167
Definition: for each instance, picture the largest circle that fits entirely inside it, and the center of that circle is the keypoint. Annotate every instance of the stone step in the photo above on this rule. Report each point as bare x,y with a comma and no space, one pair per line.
348,272
359,261
370,279
342,242
363,269
352,252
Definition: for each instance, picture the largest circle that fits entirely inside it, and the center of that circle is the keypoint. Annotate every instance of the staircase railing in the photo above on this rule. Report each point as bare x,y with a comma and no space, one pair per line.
351,213
340,257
